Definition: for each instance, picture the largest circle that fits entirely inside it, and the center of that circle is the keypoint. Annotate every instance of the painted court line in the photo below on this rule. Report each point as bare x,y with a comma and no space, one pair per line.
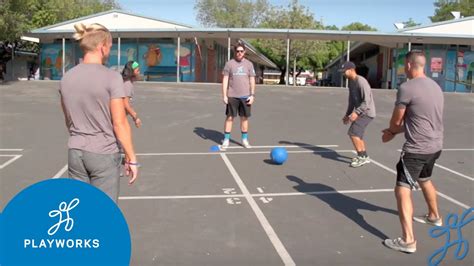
286,146
451,150
220,196
61,172
280,248
11,149
437,192
5,164
454,172
243,152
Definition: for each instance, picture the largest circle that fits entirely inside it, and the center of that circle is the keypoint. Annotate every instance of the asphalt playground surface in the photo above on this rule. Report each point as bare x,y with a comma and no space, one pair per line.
191,206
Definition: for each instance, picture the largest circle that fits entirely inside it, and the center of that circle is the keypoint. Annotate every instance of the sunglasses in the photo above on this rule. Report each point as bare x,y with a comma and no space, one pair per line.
239,51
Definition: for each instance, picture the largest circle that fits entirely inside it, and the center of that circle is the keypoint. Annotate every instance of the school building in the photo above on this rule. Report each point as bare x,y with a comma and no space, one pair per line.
451,65
163,55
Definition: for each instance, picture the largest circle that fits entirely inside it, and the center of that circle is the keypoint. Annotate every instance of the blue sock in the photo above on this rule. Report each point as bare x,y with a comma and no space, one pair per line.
244,135
227,135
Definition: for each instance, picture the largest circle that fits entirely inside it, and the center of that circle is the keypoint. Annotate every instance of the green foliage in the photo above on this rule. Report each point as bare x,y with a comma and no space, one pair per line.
20,16
444,8
410,23
357,26
231,13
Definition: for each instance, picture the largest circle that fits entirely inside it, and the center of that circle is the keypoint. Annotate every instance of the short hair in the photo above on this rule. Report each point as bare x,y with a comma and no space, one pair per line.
91,36
239,44
416,58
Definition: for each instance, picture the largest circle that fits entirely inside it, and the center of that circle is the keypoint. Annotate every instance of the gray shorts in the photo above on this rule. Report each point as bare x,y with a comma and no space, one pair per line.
100,170
358,127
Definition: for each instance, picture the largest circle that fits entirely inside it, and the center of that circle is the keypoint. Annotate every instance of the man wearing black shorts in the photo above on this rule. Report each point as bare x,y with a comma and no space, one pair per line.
419,113
238,94
360,111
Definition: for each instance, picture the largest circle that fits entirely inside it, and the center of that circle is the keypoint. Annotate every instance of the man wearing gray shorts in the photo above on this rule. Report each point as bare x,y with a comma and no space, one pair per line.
360,111
419,113
92,101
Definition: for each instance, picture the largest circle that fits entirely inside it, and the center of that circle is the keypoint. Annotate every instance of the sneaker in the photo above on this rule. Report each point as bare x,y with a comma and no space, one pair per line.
360,161
355,158
425,219
246,143
225,145
399,245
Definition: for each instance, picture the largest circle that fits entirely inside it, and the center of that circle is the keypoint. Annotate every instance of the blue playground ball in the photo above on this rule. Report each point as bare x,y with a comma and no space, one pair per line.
214,148
279,155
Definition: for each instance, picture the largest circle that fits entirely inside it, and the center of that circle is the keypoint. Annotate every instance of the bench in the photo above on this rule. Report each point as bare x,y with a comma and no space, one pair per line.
157,73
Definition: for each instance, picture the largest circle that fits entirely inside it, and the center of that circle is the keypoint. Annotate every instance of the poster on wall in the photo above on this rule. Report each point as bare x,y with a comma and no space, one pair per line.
158,61
436,65
128,52
465,71
51,65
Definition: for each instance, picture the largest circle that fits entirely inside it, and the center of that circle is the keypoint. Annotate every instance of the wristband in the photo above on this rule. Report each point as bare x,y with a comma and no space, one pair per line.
133,163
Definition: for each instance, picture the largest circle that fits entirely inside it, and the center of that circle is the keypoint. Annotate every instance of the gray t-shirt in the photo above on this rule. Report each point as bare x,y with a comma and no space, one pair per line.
360,97
423,121
239,77
86,91
128,87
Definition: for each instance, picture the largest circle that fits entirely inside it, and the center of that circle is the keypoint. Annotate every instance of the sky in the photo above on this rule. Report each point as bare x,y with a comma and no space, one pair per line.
381,14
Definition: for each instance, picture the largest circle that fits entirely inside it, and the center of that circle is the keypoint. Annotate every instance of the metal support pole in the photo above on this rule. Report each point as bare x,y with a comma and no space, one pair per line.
287,61
228,48
118,53
177,60
294,72
64,56
348,58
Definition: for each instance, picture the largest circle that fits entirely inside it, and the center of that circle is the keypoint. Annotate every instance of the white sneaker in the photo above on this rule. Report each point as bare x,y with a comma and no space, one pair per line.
225,145
246,143
399,245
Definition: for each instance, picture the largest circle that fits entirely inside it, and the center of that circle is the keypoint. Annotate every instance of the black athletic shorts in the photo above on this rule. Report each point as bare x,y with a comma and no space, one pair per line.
238,106
414,167
358,127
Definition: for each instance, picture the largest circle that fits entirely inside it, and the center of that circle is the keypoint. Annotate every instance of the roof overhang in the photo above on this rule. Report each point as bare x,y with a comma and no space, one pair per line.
373,37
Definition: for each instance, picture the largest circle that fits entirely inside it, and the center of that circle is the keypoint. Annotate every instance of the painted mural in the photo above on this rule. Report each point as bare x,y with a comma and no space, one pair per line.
52,60
158,61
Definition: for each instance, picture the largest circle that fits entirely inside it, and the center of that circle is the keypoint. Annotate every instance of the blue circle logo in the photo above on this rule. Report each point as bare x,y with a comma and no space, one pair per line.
63,222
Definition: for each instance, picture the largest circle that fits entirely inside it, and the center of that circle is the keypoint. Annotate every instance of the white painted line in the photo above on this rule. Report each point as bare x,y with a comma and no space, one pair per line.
219,196
286,146
452,200
284,255
451,150
454,172
5,164
437,192
458,149
11,149
181,197
323,192
248,152
61,172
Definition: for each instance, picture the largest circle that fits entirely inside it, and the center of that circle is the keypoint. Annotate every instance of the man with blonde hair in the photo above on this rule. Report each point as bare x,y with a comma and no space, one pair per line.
92,101
419,113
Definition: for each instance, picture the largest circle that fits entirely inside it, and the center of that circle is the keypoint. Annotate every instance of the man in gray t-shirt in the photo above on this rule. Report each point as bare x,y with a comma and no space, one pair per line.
92,102
238,93
419,113
360,111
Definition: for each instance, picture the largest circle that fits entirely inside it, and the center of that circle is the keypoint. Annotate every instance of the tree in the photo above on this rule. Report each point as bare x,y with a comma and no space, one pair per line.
231,13
357,26
444,8
410,23
306,54
20,16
